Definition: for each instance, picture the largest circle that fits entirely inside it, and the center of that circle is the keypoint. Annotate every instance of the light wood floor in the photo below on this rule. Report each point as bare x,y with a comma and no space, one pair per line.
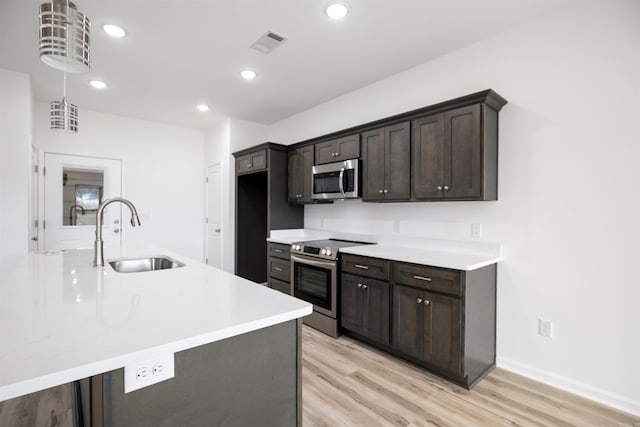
346,383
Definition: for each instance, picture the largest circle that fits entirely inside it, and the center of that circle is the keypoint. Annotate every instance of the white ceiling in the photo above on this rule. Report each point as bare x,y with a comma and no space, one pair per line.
178,53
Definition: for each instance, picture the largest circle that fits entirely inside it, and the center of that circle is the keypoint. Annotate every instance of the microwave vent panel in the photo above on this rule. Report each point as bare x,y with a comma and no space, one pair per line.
268,42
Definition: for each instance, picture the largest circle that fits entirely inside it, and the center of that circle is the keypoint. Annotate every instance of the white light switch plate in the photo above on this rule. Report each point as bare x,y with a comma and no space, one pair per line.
147,372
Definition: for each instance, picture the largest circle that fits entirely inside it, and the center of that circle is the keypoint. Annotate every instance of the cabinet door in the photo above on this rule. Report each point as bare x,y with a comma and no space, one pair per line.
252,162
408,321
293,176
442,332
428,157
325,152
376,310
463,156
304,175
352,303
397,171
373,161
347,147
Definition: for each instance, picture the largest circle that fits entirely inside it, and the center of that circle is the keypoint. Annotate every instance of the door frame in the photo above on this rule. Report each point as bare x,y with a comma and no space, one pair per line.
206,214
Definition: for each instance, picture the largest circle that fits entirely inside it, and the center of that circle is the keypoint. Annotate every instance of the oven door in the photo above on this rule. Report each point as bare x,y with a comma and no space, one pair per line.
315,281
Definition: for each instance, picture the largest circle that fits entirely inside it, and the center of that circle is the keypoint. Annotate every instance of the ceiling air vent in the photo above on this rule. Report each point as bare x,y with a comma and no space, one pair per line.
268,42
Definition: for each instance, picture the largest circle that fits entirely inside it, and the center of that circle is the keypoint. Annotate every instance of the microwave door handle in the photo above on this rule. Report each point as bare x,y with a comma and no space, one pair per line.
341,182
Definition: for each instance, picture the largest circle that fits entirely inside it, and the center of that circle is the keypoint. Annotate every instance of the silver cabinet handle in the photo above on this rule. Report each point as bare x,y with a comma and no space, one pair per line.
419,300
116,230
364,286
427,302
116,221
386,191
363,267
439,188
35,238
359,285
380,191
217,230
279,251
446,187
277,268
426,279
249,165
337,154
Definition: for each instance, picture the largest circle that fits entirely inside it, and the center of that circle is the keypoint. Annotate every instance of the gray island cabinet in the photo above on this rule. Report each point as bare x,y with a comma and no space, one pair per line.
74,329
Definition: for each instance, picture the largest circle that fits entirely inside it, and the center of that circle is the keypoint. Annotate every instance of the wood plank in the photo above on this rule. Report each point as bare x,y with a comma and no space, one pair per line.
348,383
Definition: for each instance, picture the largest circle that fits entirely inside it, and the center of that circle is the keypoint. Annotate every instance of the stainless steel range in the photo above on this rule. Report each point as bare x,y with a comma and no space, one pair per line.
315,278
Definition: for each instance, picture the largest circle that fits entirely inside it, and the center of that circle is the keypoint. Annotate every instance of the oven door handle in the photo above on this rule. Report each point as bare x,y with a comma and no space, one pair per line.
316,263
341,182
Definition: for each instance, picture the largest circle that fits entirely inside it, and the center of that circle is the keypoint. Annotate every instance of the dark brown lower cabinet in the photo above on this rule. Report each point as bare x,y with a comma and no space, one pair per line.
439,318
427,326
365,307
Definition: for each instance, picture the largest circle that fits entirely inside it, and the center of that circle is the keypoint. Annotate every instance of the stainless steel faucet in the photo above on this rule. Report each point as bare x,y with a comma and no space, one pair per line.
98,256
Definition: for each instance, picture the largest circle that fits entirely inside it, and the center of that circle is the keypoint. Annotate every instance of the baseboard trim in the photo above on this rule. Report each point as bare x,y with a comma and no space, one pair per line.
581,389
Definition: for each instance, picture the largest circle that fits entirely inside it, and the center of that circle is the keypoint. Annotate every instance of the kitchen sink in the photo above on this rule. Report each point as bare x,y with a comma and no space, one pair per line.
137,265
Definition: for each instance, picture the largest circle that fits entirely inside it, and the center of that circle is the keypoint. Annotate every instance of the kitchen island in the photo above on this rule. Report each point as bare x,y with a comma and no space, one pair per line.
236,344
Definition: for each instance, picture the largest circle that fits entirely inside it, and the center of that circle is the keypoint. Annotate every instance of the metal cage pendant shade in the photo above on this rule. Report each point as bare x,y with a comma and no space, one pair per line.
64,36
64,115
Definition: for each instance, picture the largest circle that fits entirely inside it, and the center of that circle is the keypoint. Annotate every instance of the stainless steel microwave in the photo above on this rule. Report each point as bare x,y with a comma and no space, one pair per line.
340,180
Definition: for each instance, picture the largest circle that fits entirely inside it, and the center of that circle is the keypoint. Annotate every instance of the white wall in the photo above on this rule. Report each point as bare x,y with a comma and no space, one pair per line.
569,190
217,150
15,152
160,173
222,141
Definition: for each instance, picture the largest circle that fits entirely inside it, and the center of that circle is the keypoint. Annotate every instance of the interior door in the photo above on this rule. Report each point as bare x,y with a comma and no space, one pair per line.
73,187
214,216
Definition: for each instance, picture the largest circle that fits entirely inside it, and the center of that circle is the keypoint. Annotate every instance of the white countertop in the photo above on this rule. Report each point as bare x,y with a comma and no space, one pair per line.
61,319
435,258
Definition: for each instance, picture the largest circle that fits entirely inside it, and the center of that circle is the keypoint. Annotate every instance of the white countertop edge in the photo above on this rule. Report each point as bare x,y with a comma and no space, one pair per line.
32,385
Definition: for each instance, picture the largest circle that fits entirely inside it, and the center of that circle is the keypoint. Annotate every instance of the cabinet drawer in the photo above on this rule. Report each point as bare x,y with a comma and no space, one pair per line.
279,285
366,266
430,278
279,250
280,269
252,162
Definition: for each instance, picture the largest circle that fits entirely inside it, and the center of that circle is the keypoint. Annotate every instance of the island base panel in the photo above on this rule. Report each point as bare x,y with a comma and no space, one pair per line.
250,379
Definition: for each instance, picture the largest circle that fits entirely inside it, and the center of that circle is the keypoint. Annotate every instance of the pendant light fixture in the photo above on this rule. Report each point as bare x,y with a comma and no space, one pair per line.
64,116
64,36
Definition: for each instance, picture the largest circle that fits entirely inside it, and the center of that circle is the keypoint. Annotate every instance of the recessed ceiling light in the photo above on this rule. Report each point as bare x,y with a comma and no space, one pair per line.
337,11
113,30
248,74
202,107
98,84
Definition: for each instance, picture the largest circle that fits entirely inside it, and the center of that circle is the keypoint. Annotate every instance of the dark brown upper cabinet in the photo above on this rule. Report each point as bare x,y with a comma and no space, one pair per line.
251,162
455,155
300,162
336,150
386,163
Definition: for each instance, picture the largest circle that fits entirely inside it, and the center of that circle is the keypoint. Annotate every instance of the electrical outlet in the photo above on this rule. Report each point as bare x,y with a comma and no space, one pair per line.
476,231
147,372
545,328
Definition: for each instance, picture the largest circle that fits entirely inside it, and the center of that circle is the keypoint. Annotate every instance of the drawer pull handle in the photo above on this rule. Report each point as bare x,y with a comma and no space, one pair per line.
419,300
249,165
426,279
278,251
363,267
427,302
364,286
277,268
359,285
